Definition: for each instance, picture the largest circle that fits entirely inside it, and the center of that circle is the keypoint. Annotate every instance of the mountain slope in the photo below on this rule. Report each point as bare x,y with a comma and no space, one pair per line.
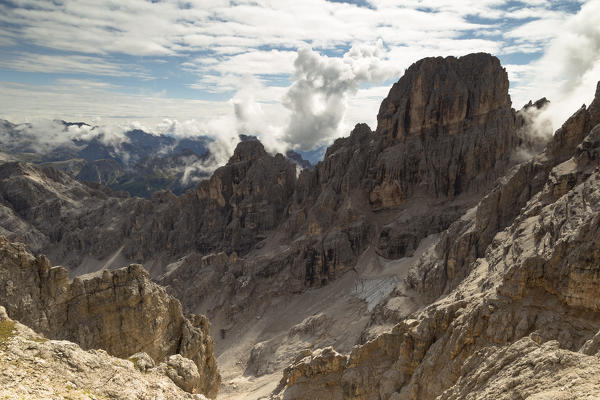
135,161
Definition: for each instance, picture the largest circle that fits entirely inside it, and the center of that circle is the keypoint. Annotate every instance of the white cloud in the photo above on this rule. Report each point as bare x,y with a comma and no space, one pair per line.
318,98
568,71
257,62
72,64
138,27
63,100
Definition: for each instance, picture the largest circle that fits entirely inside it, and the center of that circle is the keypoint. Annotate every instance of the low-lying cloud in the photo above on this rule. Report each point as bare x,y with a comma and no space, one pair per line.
568,71
43,135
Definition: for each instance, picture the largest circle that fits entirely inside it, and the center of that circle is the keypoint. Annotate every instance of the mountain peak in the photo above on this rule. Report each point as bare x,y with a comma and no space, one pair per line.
248,150
437,94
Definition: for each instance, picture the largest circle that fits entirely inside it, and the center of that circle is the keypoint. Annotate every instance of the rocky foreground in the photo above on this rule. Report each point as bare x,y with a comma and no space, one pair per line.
122,312
33,367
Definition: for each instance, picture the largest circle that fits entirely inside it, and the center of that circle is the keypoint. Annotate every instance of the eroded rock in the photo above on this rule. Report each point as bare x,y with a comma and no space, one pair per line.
121,312
33,367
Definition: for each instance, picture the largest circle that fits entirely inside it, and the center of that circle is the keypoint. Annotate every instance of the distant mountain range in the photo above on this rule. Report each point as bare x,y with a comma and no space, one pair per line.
135,161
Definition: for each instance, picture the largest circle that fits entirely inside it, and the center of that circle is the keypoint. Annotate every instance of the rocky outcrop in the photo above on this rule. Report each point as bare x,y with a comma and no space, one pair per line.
248,198
33,367
527,369
121,312
537,276
467,239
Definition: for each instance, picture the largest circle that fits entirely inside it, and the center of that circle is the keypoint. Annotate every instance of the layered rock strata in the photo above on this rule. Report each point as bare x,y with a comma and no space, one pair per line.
33,367
121,312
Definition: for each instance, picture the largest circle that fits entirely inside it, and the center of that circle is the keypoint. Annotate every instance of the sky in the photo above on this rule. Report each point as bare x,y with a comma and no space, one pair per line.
296,73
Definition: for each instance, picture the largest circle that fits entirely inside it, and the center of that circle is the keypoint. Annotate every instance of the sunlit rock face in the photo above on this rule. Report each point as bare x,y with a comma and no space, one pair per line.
122,312
451,127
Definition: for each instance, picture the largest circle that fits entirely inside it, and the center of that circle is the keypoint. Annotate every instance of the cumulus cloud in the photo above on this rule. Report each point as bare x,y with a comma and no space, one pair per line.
255,116
317,99
568,71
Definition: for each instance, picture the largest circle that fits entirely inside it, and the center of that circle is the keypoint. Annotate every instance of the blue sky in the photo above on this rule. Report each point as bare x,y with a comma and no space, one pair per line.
298,73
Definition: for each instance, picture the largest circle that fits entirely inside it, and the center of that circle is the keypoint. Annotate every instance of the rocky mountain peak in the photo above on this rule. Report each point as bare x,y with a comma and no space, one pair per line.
538,104
248,150
358,134
436,95
594,108
574,130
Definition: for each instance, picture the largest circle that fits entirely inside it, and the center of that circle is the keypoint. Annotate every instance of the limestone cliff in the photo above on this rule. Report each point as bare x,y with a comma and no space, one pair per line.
33,367
121,312
445,132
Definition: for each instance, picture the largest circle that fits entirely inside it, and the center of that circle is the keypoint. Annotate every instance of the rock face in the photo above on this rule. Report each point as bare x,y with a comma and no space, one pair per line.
527,369
33,367
121,312
445,132
514,297
232,211
53,213
240,203
450,123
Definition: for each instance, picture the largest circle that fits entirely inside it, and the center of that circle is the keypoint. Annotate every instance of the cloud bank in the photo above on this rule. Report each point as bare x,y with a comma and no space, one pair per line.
569,69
